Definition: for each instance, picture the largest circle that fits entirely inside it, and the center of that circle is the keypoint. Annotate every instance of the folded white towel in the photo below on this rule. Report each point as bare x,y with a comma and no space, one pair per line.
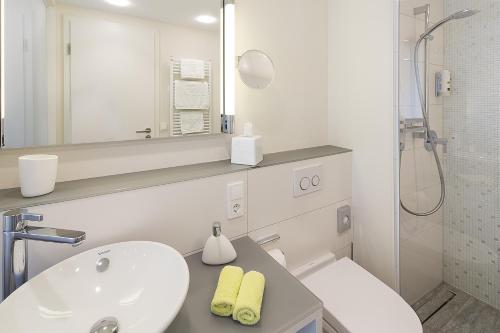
191,95
192,122
192,69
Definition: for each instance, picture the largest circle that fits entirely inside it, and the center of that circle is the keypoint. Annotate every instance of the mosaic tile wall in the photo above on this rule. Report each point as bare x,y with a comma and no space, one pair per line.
471,123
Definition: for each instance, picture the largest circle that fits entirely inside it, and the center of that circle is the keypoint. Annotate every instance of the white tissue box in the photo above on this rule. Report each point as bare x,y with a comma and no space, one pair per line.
246,150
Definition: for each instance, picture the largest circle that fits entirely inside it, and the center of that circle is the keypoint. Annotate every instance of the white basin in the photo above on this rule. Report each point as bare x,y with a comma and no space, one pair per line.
143,289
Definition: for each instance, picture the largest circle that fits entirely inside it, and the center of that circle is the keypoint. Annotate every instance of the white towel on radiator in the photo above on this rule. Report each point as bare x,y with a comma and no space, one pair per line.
191,95
192,69
192,122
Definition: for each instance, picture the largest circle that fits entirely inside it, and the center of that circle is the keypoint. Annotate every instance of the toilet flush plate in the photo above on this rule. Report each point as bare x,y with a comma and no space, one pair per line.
307,180
344,219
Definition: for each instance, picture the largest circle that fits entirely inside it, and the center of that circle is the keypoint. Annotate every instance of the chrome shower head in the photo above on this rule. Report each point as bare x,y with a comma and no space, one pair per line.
464,14
455,16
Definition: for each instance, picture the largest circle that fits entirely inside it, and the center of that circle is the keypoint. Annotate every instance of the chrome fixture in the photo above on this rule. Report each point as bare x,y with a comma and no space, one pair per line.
102,265
145,131
216,229
431,139
227,124
268,240
15,246
106,325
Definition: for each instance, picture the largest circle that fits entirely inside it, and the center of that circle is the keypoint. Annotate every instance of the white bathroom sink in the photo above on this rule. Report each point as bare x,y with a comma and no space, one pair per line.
142,288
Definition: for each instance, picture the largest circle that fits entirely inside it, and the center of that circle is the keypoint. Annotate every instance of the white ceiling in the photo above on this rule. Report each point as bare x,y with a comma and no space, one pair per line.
180,12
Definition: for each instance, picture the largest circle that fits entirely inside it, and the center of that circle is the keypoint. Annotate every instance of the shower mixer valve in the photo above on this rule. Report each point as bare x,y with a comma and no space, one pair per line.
432,139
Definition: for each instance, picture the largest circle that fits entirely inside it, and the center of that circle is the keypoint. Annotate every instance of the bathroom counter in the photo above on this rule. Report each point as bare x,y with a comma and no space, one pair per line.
85,188
286,301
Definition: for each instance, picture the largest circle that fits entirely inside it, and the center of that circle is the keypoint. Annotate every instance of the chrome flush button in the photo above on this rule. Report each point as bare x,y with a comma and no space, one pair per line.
305,183
315,180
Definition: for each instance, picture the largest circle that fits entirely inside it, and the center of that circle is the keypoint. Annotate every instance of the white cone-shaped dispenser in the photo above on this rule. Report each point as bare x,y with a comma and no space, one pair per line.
218,249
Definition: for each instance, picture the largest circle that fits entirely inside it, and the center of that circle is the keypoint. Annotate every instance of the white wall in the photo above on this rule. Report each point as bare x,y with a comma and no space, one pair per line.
96,160
291,114
165,214
362,116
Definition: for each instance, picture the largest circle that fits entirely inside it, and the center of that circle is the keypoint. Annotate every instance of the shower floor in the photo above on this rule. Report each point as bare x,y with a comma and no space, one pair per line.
450,310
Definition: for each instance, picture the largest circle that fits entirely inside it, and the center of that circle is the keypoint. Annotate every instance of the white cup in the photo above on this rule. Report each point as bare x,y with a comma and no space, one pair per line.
37,174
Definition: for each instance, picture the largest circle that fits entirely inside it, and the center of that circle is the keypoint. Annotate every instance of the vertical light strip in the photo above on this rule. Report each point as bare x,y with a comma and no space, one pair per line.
221,57
2,63
229,58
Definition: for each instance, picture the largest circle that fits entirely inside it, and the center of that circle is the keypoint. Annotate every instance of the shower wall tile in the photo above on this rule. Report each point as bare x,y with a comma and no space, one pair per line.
471,122
426,169
436,119
424,251
408,183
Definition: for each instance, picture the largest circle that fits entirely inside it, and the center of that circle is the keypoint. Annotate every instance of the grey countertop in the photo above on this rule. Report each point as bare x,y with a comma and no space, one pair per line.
79,189
286,301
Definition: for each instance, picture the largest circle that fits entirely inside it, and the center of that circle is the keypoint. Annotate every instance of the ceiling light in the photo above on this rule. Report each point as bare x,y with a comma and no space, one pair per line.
119,3
207,19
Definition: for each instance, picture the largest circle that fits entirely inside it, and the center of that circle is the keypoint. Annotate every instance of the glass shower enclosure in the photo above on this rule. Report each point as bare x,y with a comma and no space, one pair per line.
449,253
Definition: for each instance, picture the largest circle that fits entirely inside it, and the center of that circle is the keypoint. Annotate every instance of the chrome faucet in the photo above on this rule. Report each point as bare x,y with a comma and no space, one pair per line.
15,246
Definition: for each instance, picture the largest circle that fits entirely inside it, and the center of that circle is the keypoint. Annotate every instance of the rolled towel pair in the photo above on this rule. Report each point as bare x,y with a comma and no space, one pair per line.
239,295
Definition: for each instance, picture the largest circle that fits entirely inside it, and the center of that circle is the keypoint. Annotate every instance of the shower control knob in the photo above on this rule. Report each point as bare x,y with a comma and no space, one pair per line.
305,183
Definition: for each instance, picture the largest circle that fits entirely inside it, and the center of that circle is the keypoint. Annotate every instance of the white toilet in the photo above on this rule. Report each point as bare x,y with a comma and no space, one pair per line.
354,300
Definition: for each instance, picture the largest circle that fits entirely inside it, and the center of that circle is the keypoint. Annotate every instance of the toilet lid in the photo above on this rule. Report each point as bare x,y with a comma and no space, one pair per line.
355,301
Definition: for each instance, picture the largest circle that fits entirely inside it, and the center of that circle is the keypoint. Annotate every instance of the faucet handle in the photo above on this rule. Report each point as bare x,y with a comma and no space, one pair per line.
13,218
32,217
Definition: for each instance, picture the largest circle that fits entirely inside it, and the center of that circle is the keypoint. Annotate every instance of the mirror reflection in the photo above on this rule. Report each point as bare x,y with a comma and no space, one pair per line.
83,71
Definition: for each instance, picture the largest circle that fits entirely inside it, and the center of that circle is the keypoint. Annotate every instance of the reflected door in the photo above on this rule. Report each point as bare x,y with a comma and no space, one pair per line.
110,68
25,76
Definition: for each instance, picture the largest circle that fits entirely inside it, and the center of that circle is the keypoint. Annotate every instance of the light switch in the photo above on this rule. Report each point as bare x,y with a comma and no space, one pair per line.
235,200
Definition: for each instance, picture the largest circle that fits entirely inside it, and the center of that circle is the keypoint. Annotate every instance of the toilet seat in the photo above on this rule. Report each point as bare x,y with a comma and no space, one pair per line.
355,301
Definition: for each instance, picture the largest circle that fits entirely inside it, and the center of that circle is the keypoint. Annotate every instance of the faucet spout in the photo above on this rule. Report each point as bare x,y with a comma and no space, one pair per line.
51,235
16,233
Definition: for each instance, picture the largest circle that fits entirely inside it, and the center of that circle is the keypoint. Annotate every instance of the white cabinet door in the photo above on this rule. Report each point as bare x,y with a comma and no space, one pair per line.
111,72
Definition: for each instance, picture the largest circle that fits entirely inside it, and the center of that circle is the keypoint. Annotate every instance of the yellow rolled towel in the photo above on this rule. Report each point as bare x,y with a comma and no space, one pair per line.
227,291
249,301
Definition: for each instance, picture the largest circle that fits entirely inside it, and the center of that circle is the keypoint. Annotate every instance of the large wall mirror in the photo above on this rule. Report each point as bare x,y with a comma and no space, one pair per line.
86,71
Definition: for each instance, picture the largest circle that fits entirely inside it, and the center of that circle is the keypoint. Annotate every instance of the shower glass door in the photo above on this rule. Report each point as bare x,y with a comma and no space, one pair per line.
450,256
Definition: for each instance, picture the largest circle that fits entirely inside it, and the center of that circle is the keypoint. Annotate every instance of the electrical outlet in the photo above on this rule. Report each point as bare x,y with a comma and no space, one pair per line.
235,200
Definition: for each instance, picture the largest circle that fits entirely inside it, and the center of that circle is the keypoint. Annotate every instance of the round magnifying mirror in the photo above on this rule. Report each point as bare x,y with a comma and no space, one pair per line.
256,69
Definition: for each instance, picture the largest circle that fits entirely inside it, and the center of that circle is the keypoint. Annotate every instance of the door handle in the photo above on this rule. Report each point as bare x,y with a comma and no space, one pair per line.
147,130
